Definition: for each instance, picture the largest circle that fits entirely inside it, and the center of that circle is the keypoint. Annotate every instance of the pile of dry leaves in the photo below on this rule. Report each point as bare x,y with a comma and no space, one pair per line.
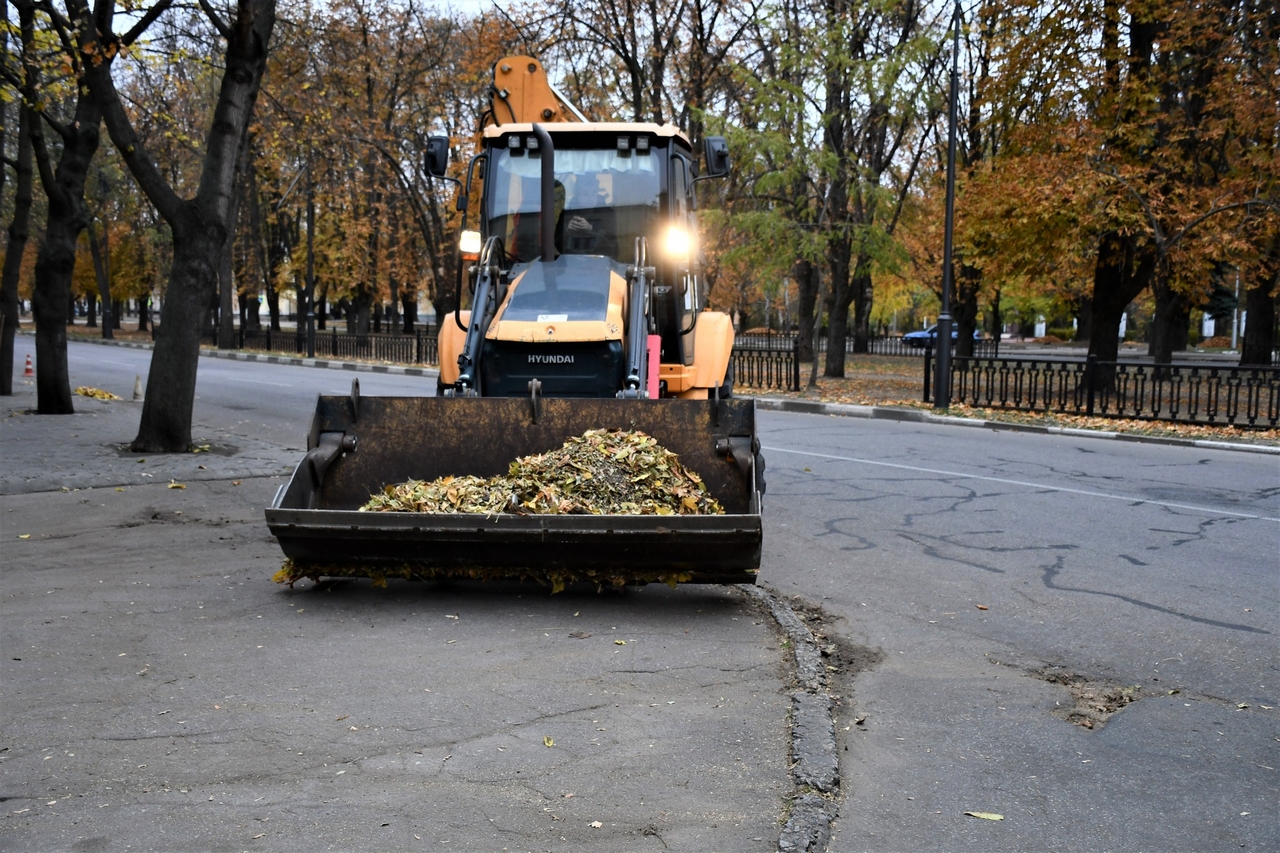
601,472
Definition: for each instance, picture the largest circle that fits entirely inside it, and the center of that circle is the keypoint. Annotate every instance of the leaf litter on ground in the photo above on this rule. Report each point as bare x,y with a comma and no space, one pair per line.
95,393
601,472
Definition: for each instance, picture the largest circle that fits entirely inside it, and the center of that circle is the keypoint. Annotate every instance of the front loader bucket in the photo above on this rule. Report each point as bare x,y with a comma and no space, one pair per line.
358,445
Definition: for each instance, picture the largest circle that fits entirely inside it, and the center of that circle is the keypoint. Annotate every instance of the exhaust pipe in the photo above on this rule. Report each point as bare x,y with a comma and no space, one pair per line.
548,150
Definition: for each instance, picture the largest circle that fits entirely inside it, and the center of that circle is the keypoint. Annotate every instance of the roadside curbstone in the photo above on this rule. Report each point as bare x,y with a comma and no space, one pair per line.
849,410
809,828
815,764
814,741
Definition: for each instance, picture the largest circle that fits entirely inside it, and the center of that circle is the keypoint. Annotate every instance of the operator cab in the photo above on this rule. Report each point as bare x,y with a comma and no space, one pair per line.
613,184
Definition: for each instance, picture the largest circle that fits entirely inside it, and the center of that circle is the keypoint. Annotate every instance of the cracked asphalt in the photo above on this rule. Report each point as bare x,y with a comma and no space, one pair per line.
972,592
980,564
160,692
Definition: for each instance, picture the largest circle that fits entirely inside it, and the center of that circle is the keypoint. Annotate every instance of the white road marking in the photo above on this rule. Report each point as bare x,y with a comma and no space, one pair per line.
1042,486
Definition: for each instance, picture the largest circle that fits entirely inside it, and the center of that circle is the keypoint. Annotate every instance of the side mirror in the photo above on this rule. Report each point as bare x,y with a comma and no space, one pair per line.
716,150
437,156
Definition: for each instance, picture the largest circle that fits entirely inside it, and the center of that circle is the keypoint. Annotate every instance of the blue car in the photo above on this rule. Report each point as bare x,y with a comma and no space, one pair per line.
918,340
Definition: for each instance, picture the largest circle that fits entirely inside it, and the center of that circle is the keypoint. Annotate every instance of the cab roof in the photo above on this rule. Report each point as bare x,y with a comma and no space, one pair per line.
494,131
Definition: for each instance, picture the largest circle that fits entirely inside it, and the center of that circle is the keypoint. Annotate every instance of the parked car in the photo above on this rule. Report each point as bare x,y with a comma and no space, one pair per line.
917,340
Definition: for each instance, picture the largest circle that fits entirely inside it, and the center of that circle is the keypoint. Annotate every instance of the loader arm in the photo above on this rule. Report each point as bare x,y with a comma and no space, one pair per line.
484,306
640,322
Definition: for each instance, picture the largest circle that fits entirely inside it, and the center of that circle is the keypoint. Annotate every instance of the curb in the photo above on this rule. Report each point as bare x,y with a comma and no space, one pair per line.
848,410
815,765
772,404
323,363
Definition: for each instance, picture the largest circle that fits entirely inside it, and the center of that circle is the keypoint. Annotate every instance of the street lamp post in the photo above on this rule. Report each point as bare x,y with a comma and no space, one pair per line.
942,383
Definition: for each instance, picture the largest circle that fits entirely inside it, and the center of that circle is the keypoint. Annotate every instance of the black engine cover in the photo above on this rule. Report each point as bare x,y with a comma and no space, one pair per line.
589,369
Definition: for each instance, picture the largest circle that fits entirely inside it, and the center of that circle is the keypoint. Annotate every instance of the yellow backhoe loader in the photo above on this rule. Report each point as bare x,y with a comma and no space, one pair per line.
587,312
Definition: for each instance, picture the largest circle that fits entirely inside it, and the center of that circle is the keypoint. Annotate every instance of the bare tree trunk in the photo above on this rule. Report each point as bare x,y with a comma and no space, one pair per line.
995,318
841,296
1084,319
103,275
1121,272
226,273
1169,325
964,308
19,229
64,188
199,224
1260,303
808,279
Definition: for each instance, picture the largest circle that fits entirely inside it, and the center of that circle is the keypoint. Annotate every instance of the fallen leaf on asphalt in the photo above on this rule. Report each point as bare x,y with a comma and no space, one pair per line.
1242,705
548,742
174,485
24,535
343,717
355,728
980,606
235,482
139,461
619,642
986,815
259,835
95,393
118,489
595,824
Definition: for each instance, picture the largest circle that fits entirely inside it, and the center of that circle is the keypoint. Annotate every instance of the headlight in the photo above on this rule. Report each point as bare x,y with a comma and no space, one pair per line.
469,244
677,243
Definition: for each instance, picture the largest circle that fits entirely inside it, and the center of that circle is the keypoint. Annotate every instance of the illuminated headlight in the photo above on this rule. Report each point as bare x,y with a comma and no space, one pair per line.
469,244
677,243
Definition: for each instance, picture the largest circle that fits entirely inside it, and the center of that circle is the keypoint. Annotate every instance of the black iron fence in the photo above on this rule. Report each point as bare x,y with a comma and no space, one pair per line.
772,367
417,348
1247,397
891,345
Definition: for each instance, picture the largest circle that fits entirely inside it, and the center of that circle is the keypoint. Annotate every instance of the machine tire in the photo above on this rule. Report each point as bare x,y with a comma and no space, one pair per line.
726,388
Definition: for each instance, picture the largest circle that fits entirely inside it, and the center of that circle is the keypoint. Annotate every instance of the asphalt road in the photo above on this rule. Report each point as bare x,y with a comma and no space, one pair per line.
964,575
963,562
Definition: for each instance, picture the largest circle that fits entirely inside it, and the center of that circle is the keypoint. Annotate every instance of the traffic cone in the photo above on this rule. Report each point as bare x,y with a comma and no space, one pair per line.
28,371
137,387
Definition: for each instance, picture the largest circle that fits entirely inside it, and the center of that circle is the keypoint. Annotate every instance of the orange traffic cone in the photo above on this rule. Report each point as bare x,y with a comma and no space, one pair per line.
28,371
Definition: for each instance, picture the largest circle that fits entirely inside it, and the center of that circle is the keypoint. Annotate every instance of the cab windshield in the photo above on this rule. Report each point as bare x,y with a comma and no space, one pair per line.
603,201
570,288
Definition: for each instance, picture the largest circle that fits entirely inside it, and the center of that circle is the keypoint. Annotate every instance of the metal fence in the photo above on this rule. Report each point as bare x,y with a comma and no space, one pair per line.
890,345
775,367
417,348
1246,397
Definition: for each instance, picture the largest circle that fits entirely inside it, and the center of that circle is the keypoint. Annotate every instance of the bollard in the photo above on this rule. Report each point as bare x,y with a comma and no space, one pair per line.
137,387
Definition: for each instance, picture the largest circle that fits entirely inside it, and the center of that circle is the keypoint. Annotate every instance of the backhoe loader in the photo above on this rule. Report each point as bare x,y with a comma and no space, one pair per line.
586,312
